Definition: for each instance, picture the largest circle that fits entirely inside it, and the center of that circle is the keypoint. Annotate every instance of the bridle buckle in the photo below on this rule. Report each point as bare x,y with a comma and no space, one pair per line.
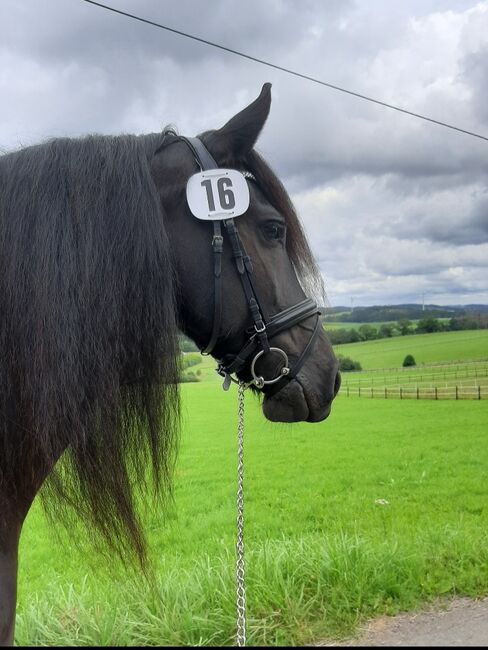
217,243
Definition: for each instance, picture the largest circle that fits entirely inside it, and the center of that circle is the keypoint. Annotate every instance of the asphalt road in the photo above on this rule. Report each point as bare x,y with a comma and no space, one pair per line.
460,622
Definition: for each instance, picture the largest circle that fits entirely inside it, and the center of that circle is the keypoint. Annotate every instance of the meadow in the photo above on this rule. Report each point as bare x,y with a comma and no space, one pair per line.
331,325
426,348
335,325
378,509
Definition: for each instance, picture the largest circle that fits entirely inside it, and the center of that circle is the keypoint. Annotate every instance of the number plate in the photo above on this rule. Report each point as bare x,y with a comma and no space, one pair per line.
217,194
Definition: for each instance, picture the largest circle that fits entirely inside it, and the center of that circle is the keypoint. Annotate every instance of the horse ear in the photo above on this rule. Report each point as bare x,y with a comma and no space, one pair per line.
238,136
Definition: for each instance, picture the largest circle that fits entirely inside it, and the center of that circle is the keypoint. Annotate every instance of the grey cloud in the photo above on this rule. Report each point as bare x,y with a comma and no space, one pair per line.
390,203
475,67
448,222
71,31
359,238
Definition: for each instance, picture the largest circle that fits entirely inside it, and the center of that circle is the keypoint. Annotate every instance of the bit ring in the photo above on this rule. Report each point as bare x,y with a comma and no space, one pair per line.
259,381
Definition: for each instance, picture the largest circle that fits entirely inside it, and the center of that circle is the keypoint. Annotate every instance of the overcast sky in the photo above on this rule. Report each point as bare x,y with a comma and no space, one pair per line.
394,207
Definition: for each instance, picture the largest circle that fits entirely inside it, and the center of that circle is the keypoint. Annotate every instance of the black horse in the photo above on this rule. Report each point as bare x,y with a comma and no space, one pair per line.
101,262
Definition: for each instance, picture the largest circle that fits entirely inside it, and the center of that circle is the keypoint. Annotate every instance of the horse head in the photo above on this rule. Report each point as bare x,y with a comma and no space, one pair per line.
225,302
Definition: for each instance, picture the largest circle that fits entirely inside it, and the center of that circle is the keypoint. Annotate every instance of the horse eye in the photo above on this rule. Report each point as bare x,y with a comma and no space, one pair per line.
274,230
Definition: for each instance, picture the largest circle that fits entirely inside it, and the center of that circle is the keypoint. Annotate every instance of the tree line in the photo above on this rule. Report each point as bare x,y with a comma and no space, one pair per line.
392,313
404,326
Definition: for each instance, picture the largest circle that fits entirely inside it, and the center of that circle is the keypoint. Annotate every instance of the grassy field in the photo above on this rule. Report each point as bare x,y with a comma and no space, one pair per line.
205,367
426,348
468,373
379,508
330,325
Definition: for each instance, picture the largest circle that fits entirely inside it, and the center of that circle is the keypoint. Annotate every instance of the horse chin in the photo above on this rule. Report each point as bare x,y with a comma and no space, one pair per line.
290,405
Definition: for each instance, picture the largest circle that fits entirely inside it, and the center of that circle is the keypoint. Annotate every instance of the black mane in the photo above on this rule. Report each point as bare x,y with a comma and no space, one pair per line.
88,338
89,364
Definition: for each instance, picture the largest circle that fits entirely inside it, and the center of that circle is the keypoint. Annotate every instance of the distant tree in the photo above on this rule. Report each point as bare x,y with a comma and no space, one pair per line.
409,361
385,331
186,344
190,359
346,364
341,335
428,325
464,323
404,326
368,332
354,336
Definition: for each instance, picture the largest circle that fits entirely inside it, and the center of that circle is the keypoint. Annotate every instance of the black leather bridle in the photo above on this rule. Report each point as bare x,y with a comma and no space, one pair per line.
263,330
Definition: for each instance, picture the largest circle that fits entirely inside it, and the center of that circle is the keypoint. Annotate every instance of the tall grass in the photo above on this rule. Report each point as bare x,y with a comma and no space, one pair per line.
298,591
378,509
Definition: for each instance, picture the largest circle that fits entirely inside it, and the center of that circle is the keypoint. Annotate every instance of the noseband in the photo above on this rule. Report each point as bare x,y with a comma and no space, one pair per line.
257,344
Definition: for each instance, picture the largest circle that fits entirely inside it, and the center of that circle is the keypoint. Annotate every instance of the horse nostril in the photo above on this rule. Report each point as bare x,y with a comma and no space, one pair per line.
337,383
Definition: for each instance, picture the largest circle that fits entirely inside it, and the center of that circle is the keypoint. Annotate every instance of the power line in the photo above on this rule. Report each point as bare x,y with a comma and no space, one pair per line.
283,69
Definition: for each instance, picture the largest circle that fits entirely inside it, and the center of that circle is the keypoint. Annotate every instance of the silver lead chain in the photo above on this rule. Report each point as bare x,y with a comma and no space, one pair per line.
240,567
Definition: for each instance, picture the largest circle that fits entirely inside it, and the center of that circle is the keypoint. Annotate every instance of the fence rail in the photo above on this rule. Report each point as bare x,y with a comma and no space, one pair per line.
418,392
418,377
431,365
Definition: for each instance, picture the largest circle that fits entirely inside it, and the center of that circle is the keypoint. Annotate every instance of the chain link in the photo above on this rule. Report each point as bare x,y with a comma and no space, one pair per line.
240,567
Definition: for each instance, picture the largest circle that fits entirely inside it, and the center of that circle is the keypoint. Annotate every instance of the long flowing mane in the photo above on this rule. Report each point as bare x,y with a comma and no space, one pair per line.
89,365
88,338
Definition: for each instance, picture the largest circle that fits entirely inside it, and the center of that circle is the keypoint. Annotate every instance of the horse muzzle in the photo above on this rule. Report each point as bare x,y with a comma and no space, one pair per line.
298,401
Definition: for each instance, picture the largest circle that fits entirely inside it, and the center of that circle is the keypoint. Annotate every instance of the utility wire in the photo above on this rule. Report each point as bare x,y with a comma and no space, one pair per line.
287,70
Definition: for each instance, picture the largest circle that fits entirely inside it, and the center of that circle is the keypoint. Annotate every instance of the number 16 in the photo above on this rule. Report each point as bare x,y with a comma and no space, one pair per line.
226,195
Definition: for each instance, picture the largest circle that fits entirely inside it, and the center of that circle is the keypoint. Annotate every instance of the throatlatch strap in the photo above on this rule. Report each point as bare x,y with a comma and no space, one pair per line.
206,161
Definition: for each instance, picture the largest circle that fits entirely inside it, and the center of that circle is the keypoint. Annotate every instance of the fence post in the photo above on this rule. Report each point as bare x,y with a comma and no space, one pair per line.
401,393
371,392
435,392
359,391
386,392
418,395
347,391
479,391
456,392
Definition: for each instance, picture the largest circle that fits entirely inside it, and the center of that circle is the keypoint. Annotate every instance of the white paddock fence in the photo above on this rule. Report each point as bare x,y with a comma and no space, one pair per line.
417,392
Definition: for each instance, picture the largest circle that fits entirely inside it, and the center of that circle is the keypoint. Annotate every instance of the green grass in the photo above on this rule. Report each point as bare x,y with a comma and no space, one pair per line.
321,553
468,373
331,325
206,366
426,348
